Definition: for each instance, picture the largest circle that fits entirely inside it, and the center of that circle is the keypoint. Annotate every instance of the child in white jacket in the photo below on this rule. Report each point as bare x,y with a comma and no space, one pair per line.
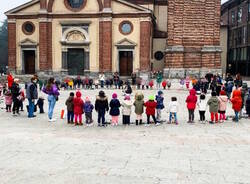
173,109
202,105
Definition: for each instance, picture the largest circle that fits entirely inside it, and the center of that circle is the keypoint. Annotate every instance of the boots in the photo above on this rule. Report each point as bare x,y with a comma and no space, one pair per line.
136,122
140,121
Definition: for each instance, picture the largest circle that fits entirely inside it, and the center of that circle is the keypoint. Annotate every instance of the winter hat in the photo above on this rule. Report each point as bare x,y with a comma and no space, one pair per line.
160,93
78,94
101,94
87,99
223,92
151,98
127,97
214,93
114,96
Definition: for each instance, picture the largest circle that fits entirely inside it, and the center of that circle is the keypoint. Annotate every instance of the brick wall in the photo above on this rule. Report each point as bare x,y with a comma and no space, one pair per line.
105,46
145,42
193,25
12,46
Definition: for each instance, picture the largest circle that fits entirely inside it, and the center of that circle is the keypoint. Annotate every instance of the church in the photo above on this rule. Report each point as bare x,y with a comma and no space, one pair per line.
84,37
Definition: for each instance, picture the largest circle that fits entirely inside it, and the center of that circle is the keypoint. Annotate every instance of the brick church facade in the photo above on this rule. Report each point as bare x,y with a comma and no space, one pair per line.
79,37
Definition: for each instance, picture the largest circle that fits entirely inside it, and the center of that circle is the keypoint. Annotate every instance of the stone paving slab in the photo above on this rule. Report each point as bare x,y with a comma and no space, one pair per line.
38,152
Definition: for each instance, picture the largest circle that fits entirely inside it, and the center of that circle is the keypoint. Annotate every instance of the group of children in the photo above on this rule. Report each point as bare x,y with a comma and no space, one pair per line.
76,107
217,106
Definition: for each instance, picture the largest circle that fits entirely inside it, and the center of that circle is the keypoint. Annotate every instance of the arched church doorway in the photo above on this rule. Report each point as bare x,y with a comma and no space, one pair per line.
75,61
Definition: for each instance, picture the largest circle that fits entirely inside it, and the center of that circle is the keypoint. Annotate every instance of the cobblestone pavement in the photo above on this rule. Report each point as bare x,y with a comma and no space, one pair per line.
36,151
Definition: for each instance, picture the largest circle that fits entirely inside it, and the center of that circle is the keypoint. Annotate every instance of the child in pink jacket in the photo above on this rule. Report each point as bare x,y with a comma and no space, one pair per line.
8,101
223,99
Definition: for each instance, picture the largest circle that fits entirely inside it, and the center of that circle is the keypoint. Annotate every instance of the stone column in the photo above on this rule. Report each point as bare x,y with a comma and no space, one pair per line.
107,3
12,45
145,44
105,44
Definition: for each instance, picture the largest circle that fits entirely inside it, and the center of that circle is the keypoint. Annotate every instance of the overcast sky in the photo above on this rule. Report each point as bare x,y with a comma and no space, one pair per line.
9,4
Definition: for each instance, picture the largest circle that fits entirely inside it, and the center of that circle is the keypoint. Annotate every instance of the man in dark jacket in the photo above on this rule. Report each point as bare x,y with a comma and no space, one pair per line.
15,92
32,95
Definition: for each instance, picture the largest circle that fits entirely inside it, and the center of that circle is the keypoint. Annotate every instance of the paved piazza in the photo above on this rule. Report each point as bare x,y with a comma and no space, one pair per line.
36,151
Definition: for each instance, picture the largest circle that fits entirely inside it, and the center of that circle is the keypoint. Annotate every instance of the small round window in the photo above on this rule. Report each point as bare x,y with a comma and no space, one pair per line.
159,55
28,28
75,5
126,27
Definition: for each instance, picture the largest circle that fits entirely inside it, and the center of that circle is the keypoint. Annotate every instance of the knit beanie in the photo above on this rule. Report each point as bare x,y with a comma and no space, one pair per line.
151,98
114,96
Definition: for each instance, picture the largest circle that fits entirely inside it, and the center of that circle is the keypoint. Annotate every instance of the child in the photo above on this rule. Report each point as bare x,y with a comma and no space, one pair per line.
164,84
169,84
182,82
21,98
101,106
187,82
8,101
1,89
173,108
191,105
160,105
248,104
96,82
138,83
139,108
151,84
213,104
223,105
88,109
70,108
202,104
40,103
78,108
150,110
143,83
237,103
114,109
126,111
229,89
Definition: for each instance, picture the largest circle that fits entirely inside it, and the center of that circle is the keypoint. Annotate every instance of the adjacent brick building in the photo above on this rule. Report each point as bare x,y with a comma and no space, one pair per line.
179,37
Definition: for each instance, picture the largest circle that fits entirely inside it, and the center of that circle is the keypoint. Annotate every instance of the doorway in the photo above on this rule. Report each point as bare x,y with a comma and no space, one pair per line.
29,61
126,63
75,61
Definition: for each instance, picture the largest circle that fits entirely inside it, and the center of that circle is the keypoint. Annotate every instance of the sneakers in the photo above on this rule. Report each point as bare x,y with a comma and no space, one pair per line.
52,120
146,125
157,124
211,122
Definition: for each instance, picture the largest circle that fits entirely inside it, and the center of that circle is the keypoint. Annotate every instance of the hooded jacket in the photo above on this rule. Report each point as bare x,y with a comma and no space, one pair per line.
213,103
202,104
88,107
139,104
8,99
78,104
70,104
101,103
223,99
191,100
150,107
114,107
127,104
159,99
173,106
237,100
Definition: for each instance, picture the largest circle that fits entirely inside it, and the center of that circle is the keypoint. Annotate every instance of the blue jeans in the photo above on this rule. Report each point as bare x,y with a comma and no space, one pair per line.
236,116
31,109
70,116
52,103
173,114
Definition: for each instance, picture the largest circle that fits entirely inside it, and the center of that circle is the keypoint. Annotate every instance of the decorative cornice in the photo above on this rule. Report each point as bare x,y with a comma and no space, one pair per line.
211,48
177,48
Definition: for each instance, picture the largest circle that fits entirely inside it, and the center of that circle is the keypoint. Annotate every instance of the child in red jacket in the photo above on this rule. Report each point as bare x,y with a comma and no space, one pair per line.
78,108
191,105
150,109
237,103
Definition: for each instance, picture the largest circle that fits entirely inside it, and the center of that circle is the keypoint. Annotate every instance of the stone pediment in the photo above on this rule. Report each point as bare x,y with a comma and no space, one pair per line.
126,42
28,42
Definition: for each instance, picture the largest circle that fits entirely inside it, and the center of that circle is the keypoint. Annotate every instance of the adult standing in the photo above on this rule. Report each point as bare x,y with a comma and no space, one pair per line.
159,79
10,80
133,78
238,81
32,95
116,79
15,92
52,91
102,79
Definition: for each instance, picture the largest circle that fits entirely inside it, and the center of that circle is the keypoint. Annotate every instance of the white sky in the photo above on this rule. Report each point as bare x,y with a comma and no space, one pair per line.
9,4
